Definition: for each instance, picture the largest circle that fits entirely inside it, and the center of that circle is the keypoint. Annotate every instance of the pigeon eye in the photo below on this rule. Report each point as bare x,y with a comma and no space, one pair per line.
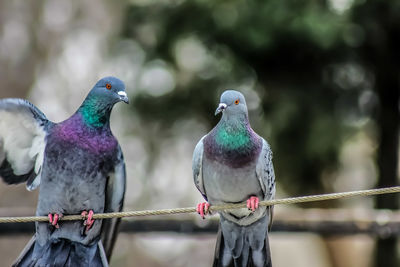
108,86
237,102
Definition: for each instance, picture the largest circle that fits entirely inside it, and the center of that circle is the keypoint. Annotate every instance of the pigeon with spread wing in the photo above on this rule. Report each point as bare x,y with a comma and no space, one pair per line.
78,166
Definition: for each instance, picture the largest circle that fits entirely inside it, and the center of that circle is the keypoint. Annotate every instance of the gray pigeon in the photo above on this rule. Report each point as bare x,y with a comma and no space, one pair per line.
79,166
232,164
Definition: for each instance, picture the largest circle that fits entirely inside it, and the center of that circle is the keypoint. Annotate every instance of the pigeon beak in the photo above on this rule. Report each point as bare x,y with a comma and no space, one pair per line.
221,107
123,97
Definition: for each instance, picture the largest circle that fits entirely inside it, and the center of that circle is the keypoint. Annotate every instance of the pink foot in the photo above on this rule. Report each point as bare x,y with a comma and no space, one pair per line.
89,221
202,209
252,203
53,219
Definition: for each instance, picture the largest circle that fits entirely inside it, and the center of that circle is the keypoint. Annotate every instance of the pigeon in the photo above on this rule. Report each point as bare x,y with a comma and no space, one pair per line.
232,164
80,169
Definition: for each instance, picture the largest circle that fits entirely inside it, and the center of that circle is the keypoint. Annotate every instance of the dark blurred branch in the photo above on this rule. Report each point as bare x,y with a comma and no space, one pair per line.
384,224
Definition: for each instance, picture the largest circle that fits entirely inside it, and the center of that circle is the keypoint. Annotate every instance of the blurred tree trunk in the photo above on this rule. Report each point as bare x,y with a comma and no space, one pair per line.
387,88
380,50
388,123
386,61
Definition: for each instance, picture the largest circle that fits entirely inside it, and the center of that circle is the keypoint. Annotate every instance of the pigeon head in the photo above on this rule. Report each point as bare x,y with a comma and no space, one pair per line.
96,108
109,90
232,103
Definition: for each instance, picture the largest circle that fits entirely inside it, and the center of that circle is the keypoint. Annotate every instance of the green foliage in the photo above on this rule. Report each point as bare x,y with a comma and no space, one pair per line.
291,53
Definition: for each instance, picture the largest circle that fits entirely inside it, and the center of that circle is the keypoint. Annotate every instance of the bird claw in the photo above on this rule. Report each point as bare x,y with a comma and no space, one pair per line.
203,209
252,203
89,220
54,218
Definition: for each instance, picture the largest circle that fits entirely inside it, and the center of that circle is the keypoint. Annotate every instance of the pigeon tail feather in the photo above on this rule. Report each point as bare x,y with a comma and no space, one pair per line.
62,252
242,246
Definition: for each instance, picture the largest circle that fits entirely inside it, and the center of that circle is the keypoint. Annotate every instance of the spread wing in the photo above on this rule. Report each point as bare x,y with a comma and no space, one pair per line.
197,165
23,129
115,193
266,175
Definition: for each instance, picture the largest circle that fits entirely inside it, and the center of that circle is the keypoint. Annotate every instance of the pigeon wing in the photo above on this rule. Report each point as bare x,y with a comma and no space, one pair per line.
266,175
23,129
115,193
197,165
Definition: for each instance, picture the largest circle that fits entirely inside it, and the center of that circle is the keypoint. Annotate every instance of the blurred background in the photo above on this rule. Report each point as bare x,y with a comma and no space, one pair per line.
321,79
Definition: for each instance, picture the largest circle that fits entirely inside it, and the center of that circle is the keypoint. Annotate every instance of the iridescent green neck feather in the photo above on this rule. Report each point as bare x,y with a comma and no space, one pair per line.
94,114
232,136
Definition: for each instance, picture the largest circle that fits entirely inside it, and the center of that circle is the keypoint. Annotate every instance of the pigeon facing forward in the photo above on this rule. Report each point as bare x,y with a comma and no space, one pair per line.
232,164
80,169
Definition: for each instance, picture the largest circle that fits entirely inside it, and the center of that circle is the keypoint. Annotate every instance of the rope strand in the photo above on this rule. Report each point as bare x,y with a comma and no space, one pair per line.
292,200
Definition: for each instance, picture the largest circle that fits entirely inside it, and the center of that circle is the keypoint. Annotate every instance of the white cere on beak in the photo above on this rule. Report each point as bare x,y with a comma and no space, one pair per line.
222,106
122,93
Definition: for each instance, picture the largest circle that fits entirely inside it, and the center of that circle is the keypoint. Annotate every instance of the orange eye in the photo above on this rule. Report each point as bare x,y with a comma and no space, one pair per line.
237,102
108,86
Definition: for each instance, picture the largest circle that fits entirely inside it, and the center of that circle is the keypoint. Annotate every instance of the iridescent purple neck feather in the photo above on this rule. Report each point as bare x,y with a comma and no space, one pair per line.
233,143
77,132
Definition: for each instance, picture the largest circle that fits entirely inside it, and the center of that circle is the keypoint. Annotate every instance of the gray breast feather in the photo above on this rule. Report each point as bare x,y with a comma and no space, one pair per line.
22,142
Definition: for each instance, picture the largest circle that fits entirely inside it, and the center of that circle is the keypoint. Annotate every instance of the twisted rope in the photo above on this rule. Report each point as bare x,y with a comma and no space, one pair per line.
292,200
